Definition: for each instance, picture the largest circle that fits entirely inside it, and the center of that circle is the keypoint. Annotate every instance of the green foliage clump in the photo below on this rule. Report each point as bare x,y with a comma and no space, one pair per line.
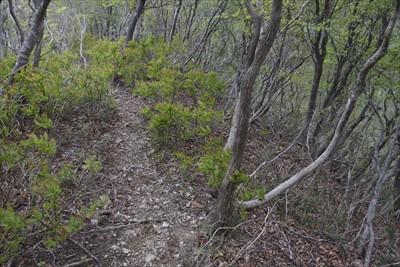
143,60
182,104
185,162
250,193
93,165
214,165
31,105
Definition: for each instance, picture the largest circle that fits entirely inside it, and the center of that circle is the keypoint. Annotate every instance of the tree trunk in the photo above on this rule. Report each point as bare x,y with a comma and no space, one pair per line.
238,134
319,53
367,238
210,28
190,20
133,21
33,37
38,49
109,11
175,19
138,28
337,137
12,13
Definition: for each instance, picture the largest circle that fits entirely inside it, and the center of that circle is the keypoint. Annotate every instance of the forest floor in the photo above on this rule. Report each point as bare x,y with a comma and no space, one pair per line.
149,217
146,219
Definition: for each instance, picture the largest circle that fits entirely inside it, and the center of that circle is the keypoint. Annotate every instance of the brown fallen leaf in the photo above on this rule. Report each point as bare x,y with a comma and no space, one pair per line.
197,204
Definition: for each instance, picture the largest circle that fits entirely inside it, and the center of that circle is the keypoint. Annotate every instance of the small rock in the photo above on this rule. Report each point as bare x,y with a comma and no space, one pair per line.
165,225
126,251
114,247
94,222
150,257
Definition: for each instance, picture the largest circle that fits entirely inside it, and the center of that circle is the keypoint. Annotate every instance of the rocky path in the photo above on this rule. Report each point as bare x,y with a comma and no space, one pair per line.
153,221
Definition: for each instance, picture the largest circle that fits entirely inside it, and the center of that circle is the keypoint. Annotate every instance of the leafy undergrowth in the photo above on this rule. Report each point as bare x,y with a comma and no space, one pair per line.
61,93
31,193
309,226
42,201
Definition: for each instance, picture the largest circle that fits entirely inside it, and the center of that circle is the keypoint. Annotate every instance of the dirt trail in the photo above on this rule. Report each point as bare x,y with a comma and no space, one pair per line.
137,192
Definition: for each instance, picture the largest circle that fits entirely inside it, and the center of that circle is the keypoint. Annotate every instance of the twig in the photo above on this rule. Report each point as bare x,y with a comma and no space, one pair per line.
10,261
296,17
288,244
277,156
85,249
391,264
251,243
225,228
326,240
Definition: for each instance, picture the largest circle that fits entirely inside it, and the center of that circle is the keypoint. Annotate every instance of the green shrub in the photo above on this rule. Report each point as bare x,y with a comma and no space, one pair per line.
250,193
35,100
93,165
214,165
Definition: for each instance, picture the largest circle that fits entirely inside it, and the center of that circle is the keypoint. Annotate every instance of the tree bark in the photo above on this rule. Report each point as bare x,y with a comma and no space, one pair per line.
175,20
133,21
319,53
337,137
12,13
367,238
33,37
38,48
238,134
109,11
190,20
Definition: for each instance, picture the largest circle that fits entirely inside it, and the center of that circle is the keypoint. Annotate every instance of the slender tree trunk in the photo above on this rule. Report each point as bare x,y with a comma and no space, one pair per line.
133,21
33,37
319,53
337,137
109,11
175,20
238,134
12,13
190,20
38,48
138,28
211,25
367,238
